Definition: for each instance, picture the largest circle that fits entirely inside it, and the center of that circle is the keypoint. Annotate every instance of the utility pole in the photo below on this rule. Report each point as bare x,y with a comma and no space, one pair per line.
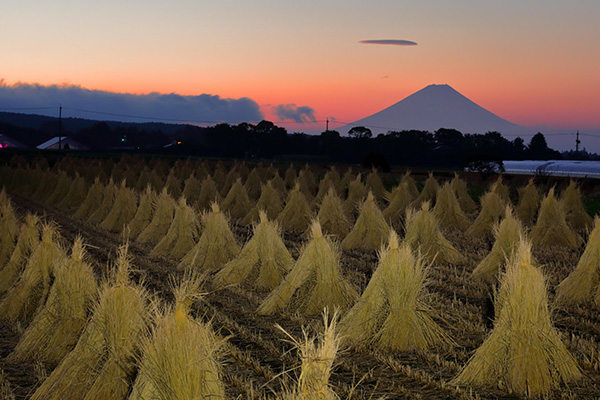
577,142
327,124
60,127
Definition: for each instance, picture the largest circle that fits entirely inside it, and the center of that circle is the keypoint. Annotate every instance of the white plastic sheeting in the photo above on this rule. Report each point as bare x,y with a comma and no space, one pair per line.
572,168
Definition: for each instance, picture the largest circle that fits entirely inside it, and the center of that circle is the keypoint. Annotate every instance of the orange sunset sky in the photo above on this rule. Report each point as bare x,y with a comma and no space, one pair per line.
533,62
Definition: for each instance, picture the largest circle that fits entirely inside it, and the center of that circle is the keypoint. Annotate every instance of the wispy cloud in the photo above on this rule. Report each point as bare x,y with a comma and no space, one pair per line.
300,114
392,42
103,105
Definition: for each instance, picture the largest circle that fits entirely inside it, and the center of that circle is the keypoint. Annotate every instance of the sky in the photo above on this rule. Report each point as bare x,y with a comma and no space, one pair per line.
533,62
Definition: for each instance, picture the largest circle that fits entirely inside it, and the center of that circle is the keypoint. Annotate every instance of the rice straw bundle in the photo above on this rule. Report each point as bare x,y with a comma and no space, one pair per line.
492,211
191,189
297,213
411,184
219,175
529,202
108,199
324,186
331,216
582,283
180,358
143,180
236,203
216,245
424,236
392,313
230,179
92,200
9,229
370,231
253,184
290,176
102,363
123,210
269,202
465,200
173,185
46,186
56,328
182,235
501,190
27,240
143,214
308,183
524,353
278,184
161,220
262,262
356,195
374,185
208,194
29,293
398,201
76,194
430,188
314,283
318,355
155,180
61,189
345,182
448,211
507,235
551,228
572,207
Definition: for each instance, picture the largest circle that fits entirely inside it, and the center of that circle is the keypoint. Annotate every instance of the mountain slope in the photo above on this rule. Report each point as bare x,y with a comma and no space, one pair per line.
434,107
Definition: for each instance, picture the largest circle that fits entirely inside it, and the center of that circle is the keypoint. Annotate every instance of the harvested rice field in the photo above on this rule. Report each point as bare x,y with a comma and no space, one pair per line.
180,279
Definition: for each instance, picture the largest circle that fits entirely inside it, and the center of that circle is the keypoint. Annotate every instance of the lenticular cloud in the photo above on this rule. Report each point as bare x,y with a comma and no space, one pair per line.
393,42
97,104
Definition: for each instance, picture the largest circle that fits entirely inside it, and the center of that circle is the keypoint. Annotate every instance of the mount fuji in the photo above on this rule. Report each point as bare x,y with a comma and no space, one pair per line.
435,107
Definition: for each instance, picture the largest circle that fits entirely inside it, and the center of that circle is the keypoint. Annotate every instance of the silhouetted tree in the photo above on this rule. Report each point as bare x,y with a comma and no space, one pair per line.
360,132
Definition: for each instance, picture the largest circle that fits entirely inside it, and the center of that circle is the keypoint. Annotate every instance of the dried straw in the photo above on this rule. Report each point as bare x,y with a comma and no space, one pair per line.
182,234
236,203
551,228
29,293
9,229
370,231
529,202
492,211
180,359
108,199
398,201
191,189
314,283
208,194
102,363
262,262
56,328
216,245
524,353
143,214
27,240
297,213
374,185
161,220
465,200
501,190
331,216
430,188
448,211
76,194
253,184
356,195
507,235
92,200
424,236
572,206
269,202
582,283
123,210
393,313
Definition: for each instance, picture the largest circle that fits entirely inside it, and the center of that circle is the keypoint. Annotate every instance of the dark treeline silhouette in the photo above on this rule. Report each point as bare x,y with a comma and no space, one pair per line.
444,148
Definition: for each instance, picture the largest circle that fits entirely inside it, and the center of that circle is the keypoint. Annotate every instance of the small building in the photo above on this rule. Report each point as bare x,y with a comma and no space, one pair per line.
62,143
6,142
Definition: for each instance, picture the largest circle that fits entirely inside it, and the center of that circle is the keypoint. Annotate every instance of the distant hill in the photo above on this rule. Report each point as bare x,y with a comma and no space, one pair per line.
39,122
434,107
